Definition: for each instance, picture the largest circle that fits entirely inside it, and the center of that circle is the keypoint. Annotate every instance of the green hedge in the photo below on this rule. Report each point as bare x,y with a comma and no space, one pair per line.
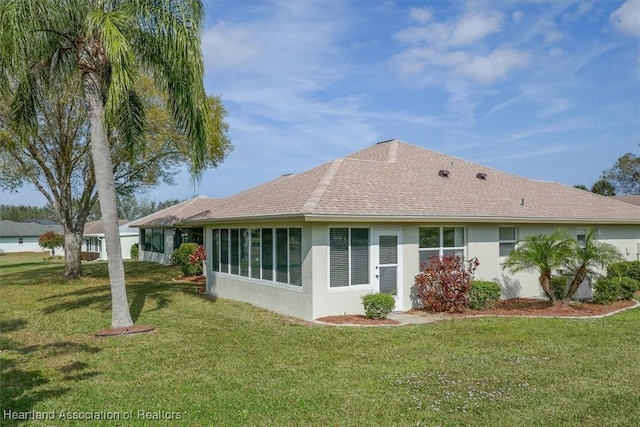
134,252
377,306
611,289
629,269
180,257
483,294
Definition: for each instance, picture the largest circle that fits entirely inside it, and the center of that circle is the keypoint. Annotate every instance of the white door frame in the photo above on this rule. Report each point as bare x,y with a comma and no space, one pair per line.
400,291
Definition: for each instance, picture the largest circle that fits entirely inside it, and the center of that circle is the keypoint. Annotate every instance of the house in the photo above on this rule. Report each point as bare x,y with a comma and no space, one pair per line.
93,240
163,231
312,244
633,199
23,236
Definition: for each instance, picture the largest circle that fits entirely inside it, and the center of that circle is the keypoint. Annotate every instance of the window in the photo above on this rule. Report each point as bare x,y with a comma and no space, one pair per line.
21,240
260,253
152,239
507,240
440,241
581,236
348,257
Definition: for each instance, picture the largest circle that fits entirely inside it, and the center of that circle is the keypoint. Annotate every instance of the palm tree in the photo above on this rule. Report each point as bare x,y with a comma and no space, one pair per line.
106,43
542,253
588,256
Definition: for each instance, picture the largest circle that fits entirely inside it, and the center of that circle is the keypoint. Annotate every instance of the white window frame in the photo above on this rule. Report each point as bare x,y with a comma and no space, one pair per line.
350,286
509,241
441,248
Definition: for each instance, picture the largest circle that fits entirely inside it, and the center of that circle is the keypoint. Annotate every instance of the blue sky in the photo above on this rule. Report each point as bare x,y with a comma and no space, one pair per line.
547,90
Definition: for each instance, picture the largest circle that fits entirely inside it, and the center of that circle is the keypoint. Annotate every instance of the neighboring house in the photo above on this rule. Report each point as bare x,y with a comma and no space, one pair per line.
93,240
23,236
311,244
633,199
162,232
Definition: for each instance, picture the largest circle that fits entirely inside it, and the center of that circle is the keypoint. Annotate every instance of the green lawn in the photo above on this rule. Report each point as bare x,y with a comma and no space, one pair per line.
225,363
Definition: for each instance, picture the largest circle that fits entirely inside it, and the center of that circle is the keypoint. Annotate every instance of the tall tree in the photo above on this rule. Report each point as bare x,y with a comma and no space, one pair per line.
107,42
603,187
54,157
542,253
587,257
625,174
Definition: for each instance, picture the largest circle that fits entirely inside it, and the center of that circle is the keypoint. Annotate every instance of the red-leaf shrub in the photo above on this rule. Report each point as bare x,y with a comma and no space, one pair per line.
51,240
443,284
198,256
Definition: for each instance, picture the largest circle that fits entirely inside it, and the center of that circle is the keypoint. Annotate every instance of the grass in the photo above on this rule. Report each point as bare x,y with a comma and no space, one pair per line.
227,363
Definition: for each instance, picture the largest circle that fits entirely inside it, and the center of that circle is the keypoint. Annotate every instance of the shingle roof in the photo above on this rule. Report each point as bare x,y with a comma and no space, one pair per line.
177,213
633,199
393,179
25,229
96,227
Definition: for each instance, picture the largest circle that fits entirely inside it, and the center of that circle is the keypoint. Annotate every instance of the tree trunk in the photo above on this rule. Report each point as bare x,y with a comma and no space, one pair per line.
545,283
120,315
581,274
72,259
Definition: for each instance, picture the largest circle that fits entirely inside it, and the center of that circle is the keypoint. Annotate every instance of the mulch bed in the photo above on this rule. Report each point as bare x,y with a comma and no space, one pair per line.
130,330
512,307
356,319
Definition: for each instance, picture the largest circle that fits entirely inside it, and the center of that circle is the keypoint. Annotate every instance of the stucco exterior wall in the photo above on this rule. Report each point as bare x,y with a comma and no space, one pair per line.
29,244
161,258
317,299
287,299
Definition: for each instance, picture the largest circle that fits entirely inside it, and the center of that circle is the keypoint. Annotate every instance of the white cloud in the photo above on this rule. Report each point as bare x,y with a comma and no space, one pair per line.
486,69
550,32
228,47
626,18
517,16
556,52
471,28
420,14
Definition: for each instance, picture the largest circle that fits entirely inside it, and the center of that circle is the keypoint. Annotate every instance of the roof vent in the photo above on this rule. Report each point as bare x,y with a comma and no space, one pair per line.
481,175
444,173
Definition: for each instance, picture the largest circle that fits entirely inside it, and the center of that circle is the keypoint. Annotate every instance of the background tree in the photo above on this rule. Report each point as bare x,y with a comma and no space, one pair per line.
581,187
625,175
603,187
542,253
26,213
51,240
134,207
587,257
106,44
54,158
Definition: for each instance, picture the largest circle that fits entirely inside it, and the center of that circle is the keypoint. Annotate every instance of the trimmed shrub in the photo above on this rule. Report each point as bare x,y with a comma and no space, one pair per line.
560,286
135,251
377,306
611,289
483,294
443,285
629,269
181,257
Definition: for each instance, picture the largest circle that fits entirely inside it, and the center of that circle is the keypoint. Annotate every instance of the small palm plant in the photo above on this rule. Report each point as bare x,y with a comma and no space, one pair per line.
542,253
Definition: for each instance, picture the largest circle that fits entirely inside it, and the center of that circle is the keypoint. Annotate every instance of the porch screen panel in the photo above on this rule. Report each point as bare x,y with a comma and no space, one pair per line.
234,250
267,254
388,249
244,252
295,256
255,253
215,249
359,256
388,280
338,257
282,254
224,250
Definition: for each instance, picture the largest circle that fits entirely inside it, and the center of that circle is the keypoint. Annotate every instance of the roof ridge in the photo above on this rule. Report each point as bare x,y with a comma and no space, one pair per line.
317,194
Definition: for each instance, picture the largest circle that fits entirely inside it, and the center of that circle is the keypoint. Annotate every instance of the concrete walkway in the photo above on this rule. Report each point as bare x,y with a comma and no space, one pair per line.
415,318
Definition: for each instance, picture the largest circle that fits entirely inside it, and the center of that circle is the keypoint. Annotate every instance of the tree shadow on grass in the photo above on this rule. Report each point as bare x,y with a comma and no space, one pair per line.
22,388
99,298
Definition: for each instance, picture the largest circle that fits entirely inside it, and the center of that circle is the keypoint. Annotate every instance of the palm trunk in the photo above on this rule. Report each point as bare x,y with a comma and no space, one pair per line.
120,315
545,283
72,258
581,274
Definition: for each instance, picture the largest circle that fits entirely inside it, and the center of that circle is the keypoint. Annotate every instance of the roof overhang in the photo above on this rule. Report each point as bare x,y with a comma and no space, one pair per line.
409,219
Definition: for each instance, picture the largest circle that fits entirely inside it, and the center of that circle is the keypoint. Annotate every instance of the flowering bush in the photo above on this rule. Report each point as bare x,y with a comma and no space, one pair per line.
183,255
444,283
51,240
198,256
